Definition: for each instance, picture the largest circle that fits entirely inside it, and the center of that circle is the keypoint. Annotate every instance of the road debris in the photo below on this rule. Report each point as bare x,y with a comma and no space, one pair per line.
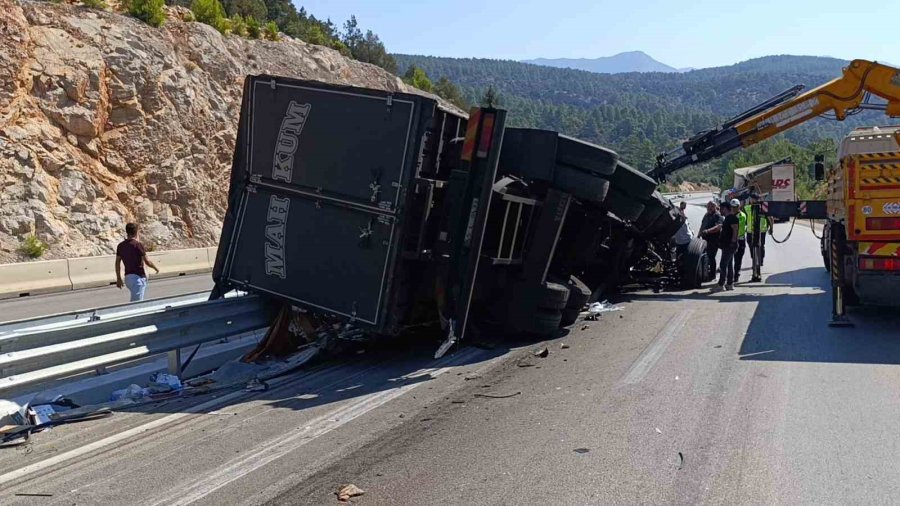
522,363
597,308
658,431
563,346
11,413
680,462
585,327
133,392
32,494
496,396
472,377
581,450
256,385
347,491
543,352
161,382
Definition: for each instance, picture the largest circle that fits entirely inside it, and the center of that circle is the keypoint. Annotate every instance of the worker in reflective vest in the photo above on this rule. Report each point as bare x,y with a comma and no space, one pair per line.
742,238
757,250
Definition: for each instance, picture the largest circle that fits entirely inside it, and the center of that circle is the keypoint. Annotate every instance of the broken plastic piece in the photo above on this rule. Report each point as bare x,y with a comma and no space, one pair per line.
581,450
563,346
347,491
133,392
603,307
543,352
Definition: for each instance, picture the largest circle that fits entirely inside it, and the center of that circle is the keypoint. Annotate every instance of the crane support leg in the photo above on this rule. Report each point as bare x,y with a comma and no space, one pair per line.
838,304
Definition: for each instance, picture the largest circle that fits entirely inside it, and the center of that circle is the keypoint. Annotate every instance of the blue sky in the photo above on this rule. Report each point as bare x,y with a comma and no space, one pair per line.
687,33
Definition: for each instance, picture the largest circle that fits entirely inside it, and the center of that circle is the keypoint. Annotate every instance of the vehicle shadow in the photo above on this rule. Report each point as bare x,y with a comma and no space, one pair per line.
794,327
369,368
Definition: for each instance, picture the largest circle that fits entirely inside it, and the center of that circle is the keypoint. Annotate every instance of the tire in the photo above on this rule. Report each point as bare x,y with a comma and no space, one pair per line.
569,316
586,156
579,293
528,153
630,181
653,208
625,207
694,264
540,322
582,185
528,297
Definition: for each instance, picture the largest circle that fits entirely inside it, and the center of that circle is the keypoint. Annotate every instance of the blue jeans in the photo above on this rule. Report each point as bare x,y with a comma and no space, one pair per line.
136,285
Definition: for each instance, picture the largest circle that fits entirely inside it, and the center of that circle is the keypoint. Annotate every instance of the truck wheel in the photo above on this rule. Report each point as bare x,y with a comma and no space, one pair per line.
625,207
653,208
542,323
586,156
546,296
582,185
630,181
579,293
694,264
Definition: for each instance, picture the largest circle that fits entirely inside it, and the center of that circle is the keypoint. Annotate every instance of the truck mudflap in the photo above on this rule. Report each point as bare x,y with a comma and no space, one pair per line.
316,202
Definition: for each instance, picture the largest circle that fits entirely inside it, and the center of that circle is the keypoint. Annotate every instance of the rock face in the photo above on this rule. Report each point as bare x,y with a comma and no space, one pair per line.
104,120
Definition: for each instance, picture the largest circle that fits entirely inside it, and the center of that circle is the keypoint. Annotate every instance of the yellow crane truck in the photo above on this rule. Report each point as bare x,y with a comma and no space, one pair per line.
861,243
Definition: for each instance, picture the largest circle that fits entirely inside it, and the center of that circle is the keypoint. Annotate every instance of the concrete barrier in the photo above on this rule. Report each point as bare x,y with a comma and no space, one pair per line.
180,262
30,278
91,272
211,253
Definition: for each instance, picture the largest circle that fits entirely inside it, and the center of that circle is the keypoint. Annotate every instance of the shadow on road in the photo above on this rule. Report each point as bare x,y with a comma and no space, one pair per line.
793,327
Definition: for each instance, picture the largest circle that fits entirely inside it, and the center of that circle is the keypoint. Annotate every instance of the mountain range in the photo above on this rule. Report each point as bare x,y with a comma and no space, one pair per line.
630,61
643,114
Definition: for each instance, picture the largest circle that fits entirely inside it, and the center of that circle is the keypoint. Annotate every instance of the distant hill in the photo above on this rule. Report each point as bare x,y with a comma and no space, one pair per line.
641,114
631,61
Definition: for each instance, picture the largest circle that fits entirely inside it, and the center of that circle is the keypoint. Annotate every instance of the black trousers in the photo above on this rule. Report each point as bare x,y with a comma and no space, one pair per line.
739,257
712,248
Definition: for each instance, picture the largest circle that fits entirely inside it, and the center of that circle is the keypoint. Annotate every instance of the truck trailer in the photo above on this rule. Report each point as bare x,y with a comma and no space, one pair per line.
392,211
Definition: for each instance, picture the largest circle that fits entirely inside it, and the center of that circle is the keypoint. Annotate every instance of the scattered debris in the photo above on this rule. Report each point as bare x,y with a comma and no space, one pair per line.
717,346
132,392
676,378
581,450
256,385
11,413
585,327
458,401
223,413
347,491
472,377
494,396
680,463
595,309
543,352
162,382
521,363
563,346
32,494
41,413
658,431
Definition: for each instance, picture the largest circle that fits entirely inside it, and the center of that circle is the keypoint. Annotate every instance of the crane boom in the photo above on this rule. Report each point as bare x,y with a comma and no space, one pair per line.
841,97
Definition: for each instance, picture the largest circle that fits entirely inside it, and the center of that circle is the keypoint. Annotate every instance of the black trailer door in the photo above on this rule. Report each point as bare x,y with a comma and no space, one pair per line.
343,144
316,216
314,253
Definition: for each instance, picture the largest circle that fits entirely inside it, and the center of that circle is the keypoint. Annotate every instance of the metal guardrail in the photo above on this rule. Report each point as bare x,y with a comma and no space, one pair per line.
39,353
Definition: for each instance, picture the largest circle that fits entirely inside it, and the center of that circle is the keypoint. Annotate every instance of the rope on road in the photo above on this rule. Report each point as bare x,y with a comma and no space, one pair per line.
788,236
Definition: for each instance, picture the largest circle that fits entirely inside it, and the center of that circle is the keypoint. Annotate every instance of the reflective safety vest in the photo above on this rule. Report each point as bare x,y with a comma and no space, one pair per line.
763,222
742,224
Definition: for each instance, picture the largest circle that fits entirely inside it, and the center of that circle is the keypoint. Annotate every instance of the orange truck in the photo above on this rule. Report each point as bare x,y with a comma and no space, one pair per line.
861,243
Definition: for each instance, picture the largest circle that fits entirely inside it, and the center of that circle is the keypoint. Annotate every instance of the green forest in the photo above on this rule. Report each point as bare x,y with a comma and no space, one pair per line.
643,114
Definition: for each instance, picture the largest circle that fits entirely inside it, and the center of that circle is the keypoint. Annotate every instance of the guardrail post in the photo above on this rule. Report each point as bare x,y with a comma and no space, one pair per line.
175,362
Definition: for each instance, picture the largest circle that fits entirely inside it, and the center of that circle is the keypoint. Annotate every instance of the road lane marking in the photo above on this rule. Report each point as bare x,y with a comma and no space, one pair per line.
202,486
111,440
652,353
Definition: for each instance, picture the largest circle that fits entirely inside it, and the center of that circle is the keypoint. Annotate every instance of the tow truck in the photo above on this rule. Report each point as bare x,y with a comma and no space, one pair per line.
861,240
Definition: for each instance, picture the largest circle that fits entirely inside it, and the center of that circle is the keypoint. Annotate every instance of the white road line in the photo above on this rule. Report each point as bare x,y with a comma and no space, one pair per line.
652,353
201,486
111,440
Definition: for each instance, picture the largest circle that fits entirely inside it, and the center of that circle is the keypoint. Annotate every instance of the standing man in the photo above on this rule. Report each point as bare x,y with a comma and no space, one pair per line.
728,244
682,206
132,253
757,241
742,237
710,227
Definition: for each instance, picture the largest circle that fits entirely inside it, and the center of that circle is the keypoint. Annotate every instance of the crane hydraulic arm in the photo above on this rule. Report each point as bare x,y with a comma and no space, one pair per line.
841,97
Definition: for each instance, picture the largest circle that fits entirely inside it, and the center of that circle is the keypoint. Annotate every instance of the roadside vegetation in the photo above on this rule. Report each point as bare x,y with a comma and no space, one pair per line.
32,247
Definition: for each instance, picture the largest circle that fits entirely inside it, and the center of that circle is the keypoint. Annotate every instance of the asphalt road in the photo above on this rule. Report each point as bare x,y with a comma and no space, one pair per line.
742,397
52,303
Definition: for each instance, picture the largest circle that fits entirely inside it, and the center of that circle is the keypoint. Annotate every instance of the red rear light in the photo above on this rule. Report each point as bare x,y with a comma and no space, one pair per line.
879,264
883,223
487,135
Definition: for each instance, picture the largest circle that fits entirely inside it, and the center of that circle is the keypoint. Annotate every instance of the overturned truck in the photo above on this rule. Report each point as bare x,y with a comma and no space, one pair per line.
389,211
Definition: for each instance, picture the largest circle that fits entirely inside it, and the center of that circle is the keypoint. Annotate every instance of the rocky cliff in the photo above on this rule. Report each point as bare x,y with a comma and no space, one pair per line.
104,120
